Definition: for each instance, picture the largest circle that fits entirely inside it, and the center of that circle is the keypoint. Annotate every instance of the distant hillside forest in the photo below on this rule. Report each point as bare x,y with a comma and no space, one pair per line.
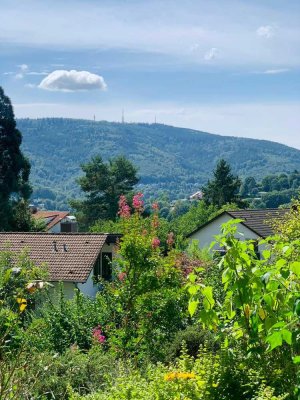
171,160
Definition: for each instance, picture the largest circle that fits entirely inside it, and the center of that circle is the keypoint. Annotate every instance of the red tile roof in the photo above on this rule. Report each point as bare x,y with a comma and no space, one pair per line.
54,217
69,256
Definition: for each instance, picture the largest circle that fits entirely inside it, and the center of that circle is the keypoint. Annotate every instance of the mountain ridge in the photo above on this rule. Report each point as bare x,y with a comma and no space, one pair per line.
172,159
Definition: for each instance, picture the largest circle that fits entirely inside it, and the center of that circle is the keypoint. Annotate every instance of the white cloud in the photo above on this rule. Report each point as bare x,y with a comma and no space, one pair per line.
266,31
19,75
160,27
30,85
37,73
276,71
194,47
71,81
23,67
211,54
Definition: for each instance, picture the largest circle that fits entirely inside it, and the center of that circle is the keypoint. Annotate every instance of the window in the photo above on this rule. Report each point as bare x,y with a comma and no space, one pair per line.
256,249
106,266
102,267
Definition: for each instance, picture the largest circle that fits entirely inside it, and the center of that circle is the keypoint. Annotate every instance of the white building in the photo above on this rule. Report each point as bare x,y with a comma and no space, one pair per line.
56,221
255,225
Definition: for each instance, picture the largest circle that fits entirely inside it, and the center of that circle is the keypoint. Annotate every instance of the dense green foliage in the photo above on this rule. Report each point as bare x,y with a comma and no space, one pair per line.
261,306
170,159
103,184
136,339
272,191
14,172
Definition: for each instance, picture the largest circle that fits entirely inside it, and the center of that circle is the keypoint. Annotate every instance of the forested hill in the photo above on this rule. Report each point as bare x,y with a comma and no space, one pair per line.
173,159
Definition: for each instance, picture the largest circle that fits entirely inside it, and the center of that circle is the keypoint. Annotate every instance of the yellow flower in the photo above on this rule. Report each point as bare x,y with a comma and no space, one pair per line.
171,376
22,304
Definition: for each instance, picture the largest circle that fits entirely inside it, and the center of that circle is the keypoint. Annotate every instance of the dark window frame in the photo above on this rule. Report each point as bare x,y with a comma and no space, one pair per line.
103,266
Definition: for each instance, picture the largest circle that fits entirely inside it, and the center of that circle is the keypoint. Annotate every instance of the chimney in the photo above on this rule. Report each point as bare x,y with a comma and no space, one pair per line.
55,246
65,248
33,209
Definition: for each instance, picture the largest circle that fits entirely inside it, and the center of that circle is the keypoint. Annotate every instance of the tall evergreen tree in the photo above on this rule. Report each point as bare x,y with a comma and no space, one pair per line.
103,183
223,188
15,189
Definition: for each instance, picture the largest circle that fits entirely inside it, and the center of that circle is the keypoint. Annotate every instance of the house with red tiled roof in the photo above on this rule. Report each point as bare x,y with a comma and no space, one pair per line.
57,221
76,259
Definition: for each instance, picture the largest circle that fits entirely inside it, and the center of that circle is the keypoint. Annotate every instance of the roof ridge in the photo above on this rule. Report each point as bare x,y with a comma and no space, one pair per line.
260,209
60,233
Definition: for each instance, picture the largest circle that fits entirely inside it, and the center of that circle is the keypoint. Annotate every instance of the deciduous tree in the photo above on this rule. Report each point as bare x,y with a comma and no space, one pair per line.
103,184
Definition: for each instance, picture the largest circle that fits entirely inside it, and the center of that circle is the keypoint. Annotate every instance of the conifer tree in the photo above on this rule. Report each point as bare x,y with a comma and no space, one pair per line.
15,189
223,188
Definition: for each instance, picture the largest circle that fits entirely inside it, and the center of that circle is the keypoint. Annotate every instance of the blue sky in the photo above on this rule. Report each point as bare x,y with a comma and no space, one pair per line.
227,67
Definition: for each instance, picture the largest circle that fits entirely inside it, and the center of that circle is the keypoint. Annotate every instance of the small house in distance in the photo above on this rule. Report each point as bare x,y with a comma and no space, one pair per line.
255,225
72,258
196,196
56,221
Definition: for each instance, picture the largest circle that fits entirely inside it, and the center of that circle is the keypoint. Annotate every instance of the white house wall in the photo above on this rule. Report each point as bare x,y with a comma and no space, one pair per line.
89,288
206,235
55,229
68,289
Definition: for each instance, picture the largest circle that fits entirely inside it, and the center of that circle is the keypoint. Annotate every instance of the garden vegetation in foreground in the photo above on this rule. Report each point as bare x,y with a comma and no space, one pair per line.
170,325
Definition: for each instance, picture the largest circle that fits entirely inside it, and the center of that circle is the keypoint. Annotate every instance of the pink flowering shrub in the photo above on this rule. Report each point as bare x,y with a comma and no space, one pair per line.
138,203
155,243
148,295
124,209
98,335
170,239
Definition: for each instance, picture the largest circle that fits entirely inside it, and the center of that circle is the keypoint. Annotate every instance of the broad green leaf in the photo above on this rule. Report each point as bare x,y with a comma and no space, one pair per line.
192,277
275,340
280,263
193,289
287,336
280,324
193,304
208,296
295,267
269,300
226,275
296,360
297,307
266,254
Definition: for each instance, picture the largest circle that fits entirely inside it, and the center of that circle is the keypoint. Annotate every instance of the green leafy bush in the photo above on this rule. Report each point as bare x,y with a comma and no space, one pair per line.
187,378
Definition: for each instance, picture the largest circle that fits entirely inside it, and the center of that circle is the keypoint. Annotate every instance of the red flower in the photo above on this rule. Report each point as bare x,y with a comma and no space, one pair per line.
155,206
124,209
155,242
170,239
122,276
98,335
137,202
